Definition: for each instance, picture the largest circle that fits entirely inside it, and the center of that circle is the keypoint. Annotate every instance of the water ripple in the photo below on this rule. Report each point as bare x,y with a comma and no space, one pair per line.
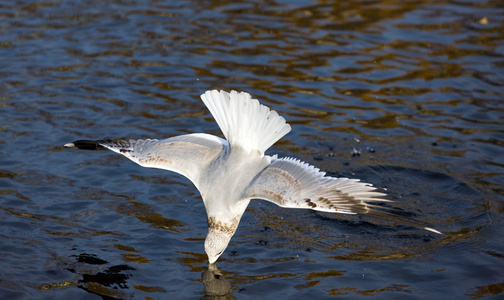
404,95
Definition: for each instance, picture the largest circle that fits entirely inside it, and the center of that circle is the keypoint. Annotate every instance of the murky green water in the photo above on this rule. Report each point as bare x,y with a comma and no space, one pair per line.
415,86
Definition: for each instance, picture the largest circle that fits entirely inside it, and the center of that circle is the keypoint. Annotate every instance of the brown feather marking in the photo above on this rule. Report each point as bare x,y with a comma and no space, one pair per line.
157,159
215,224
310,203
276,196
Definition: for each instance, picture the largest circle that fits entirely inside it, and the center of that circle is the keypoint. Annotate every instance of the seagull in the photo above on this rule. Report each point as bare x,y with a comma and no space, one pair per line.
230,172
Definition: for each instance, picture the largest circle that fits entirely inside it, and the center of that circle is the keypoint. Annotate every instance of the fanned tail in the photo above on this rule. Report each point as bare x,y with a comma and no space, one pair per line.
244,121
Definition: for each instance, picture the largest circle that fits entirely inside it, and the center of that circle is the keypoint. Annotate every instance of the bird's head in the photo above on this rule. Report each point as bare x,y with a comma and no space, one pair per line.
215,243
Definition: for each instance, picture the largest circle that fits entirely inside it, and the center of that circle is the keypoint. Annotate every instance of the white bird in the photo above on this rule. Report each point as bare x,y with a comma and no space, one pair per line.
229,173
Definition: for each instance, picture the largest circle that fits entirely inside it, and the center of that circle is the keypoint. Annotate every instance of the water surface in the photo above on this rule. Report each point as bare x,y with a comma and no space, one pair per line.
413,89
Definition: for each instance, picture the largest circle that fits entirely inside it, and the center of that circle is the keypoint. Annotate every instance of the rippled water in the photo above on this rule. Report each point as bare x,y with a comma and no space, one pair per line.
415,87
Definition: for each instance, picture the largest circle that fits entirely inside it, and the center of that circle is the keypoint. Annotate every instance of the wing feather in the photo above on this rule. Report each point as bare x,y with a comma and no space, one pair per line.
187,154
289,182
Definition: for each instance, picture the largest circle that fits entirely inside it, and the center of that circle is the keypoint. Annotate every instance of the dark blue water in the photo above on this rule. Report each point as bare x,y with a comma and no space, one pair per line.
415,87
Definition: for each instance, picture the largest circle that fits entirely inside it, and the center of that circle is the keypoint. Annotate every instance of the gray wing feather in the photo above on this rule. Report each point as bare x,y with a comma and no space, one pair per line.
289,182
186,154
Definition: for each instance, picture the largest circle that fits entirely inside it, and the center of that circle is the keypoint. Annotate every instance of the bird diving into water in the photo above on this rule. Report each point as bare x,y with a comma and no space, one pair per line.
230,172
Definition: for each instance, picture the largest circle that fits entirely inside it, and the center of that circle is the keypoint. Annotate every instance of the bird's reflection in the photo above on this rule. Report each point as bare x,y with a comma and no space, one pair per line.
216,286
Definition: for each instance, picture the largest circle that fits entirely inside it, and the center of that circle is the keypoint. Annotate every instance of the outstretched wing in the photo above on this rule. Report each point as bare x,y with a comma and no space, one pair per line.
185,154
289,182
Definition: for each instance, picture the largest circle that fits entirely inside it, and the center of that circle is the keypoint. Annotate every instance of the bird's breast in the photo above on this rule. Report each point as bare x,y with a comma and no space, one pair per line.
226,178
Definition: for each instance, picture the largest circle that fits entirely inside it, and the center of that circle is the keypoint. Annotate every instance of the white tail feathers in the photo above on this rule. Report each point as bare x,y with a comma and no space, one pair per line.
244,121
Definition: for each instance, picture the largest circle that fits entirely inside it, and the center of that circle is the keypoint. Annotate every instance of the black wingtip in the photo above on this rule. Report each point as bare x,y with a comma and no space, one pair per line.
387,215
86,145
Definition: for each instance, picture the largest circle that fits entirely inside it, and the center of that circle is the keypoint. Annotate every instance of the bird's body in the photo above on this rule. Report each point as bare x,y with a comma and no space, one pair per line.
230,172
